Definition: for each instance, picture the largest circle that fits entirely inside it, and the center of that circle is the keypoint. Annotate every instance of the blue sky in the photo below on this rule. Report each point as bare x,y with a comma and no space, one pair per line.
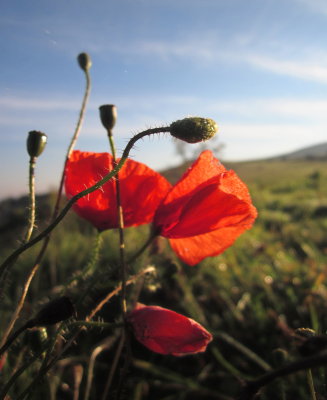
258,67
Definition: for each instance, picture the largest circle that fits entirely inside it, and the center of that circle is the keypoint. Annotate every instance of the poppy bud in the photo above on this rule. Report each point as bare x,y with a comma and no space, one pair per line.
36,142
56,310
280,356
305,332
194,129
108,116
167,332
84,61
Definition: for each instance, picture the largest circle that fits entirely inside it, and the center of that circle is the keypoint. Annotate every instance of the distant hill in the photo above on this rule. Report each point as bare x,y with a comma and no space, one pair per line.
315,152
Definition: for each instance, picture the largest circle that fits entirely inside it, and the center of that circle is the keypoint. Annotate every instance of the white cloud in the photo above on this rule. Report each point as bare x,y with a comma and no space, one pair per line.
248,141
295,68
318,6
26,102
311,110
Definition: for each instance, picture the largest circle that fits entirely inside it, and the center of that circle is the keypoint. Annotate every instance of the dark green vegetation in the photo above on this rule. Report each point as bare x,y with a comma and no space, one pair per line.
252,298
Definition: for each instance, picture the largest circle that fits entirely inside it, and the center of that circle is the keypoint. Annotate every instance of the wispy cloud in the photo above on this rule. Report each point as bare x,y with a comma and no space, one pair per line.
26,102
243,140
272,109
211,50
318,6
295,68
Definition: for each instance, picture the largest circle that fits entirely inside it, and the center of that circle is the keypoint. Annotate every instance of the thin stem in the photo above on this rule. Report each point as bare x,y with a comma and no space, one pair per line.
31,222
40,255
311,384
150,239
245,350
45,368
89,268
73,142
31,185
227,365
120,217
251,388
108,342
94,324
114,365
14,336
8,261
17,374
116,291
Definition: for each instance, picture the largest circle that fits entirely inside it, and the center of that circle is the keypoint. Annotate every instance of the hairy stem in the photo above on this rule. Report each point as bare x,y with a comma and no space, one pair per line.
8,261
42,251
120,217
31,185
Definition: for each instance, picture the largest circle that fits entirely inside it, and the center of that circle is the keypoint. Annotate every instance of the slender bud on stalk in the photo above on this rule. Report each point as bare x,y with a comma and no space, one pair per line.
194,129
56,310
36,142
108,116
84,61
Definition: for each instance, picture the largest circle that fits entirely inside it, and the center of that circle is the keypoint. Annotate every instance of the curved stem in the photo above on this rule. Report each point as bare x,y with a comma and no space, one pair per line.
9,260
14,336
114,365
251,388
90,266
45,368
150,239
311,385
73,142
245,350
41,253
17,374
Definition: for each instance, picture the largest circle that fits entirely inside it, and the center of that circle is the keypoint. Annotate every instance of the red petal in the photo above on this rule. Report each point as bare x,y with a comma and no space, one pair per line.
202,170
194,249
215,203
142,189
167,332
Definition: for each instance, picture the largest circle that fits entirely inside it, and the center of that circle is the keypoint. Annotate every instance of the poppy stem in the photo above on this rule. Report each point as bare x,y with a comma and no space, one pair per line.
49,363
31,221
31,184
42,251
251,388
150,239
120,215
9,260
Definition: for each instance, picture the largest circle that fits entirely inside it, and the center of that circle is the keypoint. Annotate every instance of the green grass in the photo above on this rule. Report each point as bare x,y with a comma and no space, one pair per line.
271,282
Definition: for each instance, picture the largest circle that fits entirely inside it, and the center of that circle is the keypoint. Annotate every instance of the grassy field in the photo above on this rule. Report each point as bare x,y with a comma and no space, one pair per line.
253,298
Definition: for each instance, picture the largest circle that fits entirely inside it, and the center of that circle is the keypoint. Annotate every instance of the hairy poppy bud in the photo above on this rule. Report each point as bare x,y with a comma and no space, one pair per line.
108,116
84,61
56,310
194,129
36,142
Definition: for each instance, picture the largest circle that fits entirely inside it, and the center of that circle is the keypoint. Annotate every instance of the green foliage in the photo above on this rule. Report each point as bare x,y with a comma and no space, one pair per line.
252,297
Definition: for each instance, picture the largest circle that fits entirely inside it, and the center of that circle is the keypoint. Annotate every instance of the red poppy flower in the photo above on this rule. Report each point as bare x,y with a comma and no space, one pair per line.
167,332
205,211
142,189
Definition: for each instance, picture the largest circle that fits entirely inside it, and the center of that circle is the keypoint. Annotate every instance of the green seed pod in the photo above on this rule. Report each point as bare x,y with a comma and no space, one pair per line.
84,61
36,142
280,356
108,116
194,129
56,310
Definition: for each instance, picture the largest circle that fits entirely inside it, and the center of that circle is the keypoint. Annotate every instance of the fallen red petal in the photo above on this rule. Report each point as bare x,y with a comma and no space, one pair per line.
167,332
